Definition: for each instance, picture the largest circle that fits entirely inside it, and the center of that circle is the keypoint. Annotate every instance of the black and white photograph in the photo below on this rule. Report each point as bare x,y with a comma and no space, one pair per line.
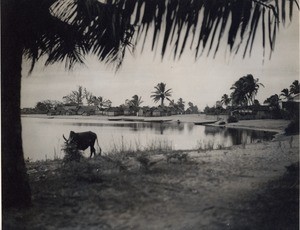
150,114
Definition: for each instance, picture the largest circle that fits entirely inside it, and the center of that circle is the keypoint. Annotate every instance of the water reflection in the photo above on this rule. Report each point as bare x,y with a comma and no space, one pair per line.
239,136
44,136
158,127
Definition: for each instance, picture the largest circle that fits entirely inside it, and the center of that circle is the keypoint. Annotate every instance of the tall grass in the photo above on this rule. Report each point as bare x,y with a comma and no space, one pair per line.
123,147
203,146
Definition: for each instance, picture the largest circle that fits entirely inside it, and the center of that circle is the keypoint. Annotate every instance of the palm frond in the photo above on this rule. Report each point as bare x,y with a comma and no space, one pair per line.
66,30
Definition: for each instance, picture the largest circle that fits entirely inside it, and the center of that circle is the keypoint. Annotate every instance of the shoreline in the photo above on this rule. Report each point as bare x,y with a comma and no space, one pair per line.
269,125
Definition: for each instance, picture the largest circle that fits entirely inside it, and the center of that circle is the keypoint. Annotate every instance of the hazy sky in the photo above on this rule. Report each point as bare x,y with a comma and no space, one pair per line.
202,82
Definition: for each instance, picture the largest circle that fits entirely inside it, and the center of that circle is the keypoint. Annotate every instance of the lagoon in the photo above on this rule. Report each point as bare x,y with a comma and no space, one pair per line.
42,137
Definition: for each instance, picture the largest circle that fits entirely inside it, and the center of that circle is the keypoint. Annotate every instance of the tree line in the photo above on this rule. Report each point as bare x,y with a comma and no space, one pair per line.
246,88
244,92
81,96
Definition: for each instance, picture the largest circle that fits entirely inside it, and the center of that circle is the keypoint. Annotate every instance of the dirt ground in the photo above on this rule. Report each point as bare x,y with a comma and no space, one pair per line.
253,186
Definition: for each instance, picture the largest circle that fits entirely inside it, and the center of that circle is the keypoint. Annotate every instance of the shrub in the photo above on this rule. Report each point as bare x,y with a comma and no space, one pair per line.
71,153
232,119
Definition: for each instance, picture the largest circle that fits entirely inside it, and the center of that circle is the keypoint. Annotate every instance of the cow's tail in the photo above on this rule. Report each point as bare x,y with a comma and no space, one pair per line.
100,150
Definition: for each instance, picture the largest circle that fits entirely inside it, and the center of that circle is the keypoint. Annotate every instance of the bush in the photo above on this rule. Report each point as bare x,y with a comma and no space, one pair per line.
232,119
293,128
71,153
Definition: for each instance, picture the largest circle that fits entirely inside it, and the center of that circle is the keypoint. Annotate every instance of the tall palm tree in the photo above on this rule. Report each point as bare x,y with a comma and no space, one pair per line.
295,87
238,96
161,93
286,94
245,90
68,30
251,88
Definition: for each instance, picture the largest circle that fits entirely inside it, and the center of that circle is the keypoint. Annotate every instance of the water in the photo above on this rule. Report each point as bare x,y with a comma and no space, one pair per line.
42,137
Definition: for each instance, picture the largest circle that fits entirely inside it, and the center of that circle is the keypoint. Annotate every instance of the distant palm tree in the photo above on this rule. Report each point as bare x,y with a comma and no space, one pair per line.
225,100
181,104
161,93
286,94
66,31
295,87
101,102
136,102
76,96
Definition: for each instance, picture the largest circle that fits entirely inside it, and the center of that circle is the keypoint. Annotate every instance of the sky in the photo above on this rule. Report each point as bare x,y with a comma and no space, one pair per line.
202,81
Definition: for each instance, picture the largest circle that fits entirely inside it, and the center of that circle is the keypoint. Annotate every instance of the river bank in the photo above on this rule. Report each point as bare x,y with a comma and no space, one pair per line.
273,125
241,187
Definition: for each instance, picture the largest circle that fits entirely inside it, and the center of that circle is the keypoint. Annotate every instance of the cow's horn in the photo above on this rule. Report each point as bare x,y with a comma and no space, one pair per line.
65,138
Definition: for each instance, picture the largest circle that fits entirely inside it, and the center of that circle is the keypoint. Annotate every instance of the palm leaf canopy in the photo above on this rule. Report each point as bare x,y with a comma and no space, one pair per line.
286,93
66,30
161,93
295,87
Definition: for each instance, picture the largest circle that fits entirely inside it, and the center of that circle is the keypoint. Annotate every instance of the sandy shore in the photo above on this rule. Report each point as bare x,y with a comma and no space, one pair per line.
265,124
242,187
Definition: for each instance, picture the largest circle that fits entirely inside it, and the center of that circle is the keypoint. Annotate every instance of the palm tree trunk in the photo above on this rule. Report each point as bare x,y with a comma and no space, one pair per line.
15,186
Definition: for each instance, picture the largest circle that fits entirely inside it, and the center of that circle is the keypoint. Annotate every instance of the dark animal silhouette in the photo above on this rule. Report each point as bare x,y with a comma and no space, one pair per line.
83,140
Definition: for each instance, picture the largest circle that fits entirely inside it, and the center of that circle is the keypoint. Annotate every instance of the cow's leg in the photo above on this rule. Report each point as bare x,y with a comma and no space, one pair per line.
92,151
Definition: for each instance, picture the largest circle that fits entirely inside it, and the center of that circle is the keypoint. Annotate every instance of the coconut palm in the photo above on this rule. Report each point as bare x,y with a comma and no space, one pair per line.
245,90
101,102
161,93
251,88
238,96
225,100
66,31
295,87
136,102
286,94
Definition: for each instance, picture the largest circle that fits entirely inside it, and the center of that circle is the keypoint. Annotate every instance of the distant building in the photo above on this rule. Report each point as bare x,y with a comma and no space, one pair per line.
145,111
87,110
253,112
129,112
28,111
161,111
114,111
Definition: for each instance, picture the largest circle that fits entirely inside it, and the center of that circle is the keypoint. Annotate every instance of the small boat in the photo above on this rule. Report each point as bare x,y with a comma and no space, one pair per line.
204,122
133,119
114,119
158,121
